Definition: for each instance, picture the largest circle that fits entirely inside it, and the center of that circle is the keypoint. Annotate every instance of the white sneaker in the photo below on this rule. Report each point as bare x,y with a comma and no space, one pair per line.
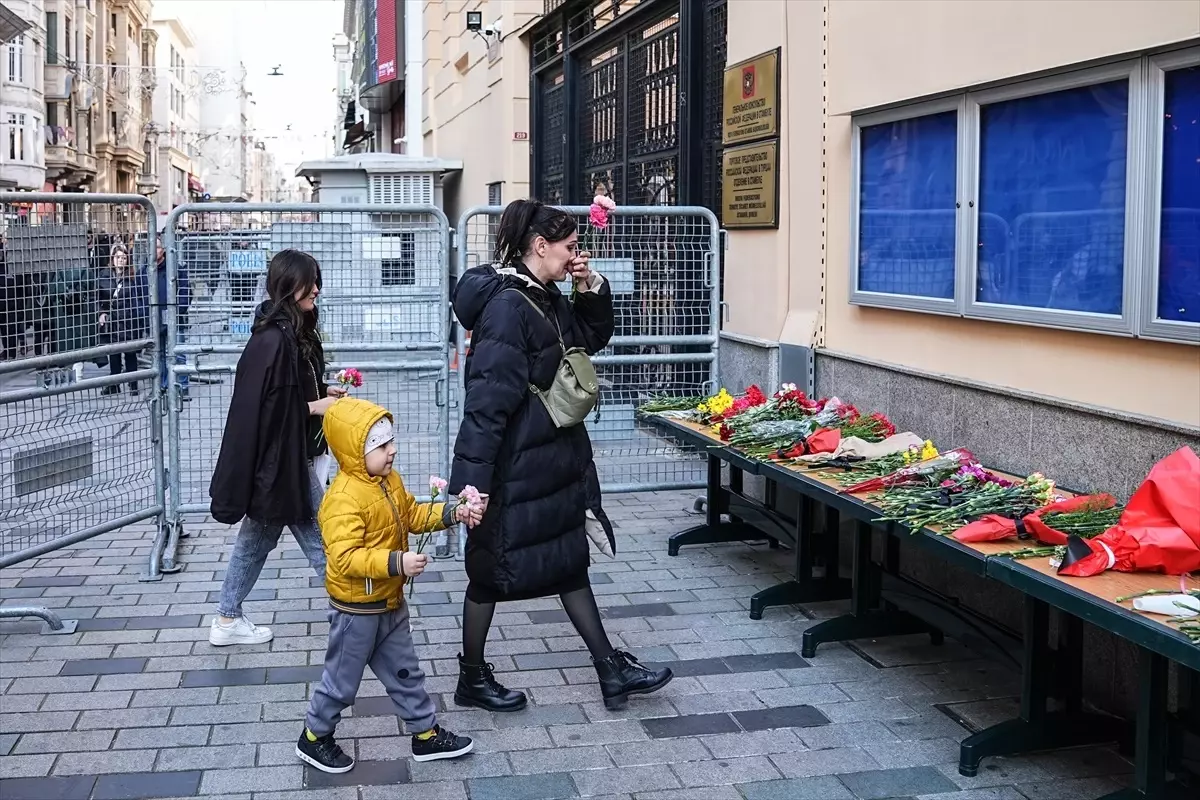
240,631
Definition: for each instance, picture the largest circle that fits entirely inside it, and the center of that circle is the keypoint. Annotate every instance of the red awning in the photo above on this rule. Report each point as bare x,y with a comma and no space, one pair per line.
194,185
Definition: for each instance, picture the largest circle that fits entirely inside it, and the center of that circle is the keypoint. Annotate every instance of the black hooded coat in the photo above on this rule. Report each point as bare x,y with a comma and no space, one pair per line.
541,480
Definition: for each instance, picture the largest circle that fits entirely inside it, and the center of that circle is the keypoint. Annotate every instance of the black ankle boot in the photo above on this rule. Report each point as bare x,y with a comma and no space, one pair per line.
478,687
622,675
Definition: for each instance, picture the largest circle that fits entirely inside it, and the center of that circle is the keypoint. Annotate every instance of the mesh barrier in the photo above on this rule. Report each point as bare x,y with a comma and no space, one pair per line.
661,265
382,305
80,420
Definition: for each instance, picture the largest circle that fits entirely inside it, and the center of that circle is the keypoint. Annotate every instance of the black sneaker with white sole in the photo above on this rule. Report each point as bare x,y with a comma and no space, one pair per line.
443,744
323,753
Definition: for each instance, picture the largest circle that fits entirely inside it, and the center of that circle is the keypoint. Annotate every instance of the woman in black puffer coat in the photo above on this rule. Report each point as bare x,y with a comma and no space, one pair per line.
542,490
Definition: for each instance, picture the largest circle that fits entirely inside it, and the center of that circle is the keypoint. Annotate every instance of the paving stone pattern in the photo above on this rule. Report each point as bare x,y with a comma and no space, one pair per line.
137,705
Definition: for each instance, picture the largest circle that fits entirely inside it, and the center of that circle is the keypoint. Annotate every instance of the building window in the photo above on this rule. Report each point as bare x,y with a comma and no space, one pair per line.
1052,199
495,193
87,51
401,268
51,37
906,201
67,37
1024,203
16,137
16,60
52,115
1179,232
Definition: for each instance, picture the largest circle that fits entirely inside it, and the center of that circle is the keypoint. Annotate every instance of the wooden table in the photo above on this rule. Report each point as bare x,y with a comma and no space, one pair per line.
884,604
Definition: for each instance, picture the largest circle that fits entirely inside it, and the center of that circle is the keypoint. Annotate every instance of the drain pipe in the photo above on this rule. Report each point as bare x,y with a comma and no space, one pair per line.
414,60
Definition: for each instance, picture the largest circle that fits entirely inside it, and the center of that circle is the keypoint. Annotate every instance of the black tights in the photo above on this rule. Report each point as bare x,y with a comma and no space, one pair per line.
580,606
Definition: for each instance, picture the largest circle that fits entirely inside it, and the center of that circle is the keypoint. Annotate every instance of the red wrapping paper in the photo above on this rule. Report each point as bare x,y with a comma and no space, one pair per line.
994,528
824,440
1159,530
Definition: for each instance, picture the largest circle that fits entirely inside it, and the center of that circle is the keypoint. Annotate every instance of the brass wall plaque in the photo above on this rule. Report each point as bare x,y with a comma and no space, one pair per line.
751,103
750,186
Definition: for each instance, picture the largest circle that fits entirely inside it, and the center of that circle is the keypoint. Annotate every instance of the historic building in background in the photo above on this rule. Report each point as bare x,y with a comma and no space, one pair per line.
176,114
22,104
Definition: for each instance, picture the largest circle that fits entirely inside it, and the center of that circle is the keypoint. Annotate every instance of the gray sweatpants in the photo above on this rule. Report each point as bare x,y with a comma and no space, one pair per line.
383,642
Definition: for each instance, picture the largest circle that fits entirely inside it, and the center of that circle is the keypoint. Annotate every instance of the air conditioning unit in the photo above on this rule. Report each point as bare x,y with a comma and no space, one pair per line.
413,189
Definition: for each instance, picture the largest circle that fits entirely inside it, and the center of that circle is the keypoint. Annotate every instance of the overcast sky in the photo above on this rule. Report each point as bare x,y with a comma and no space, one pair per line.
296,35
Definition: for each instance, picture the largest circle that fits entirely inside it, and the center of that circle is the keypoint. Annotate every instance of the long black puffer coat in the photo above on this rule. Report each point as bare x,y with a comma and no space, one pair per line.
541,480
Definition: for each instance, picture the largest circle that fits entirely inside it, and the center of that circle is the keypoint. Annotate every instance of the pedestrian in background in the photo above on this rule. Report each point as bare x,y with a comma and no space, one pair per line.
11,332
182,301
74,308
124,313
264,476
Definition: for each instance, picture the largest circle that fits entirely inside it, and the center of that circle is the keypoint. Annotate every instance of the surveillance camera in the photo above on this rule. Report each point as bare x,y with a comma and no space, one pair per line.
489,30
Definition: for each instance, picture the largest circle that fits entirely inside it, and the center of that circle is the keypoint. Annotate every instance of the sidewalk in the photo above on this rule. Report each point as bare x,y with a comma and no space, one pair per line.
136,704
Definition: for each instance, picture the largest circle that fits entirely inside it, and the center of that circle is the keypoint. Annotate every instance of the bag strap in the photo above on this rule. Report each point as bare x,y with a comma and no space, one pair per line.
542,314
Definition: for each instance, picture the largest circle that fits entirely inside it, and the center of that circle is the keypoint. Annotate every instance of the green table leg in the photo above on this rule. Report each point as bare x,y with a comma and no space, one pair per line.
1037,728
865,620
714,530
804,588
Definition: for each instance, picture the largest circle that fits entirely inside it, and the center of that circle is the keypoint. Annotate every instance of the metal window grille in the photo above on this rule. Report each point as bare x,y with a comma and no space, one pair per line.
551,138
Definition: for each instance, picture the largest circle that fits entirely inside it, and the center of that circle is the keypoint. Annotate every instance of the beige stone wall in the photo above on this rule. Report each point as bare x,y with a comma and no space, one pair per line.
792,284
475,102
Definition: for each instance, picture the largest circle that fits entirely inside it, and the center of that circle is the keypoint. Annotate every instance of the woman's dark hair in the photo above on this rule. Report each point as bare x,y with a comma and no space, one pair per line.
523,221
289,272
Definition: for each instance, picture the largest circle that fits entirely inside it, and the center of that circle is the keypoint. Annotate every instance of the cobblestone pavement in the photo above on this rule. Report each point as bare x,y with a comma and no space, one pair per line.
137,704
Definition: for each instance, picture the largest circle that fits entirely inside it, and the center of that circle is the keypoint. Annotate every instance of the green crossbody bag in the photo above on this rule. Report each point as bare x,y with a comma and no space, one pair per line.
576,389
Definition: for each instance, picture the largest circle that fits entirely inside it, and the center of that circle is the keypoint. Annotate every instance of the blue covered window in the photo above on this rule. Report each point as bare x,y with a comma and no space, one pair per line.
1179,243
906,225
1052,199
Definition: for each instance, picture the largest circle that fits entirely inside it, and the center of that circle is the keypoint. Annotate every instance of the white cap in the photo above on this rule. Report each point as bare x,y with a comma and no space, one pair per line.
379,435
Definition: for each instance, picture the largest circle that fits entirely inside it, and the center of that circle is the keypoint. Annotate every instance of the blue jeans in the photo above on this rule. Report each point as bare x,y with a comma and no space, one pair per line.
180,359
255,541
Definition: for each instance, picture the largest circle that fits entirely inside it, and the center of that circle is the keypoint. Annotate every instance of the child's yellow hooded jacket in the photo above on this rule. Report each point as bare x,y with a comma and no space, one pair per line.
365,520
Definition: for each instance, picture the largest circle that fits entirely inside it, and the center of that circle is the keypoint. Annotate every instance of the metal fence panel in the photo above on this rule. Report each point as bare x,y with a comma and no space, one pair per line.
80,420
383,309
663,266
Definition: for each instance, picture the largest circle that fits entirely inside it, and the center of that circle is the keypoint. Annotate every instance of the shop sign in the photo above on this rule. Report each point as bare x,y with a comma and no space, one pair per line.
751,103
750,186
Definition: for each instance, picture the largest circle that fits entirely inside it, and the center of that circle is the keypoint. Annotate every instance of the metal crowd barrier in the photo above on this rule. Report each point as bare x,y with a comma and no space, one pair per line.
80,448
663,266
382,305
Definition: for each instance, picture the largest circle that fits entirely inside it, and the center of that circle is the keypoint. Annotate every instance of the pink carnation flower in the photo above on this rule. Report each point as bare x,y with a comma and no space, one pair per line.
437,486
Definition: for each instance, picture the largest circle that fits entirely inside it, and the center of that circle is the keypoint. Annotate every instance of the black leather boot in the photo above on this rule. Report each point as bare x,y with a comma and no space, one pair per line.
622,675
478,687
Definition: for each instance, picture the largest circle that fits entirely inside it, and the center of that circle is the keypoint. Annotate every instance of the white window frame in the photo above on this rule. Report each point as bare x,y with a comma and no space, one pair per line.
15,143
1124,322
1152,327
15,68
1143,195
934,305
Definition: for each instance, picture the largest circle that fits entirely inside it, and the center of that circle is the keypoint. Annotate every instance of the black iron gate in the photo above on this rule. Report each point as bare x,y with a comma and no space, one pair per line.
627,99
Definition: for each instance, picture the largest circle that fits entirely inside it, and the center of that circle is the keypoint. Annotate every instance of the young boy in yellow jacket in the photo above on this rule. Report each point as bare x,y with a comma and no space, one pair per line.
366,518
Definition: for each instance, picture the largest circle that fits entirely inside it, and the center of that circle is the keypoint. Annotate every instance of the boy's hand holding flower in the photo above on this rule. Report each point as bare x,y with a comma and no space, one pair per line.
468,515
413,564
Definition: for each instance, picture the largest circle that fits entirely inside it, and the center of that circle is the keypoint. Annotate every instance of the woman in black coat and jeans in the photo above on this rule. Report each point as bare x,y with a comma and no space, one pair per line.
269,472
540,481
